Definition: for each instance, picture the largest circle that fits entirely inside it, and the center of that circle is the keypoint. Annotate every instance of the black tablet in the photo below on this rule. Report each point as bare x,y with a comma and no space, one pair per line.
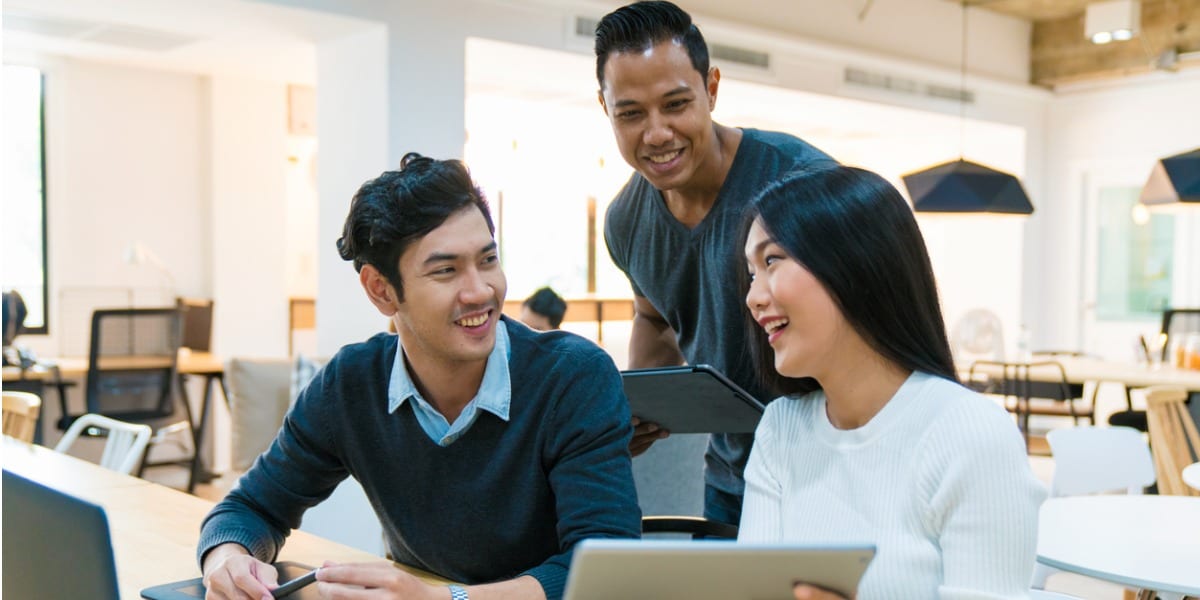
193,589
690,399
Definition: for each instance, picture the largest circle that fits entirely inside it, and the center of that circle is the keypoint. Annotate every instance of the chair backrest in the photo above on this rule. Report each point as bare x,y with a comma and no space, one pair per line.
1093,460
132,363
126,443
197,323
1041,379
1178,322
20,415
1173,438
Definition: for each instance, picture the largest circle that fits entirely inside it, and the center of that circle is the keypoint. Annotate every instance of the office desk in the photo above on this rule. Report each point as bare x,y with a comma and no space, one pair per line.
55,371
154,528
1147,542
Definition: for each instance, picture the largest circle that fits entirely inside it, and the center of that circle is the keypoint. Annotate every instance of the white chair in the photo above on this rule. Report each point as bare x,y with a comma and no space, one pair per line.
20,415
1036,594
1093,460
1096,460
126,444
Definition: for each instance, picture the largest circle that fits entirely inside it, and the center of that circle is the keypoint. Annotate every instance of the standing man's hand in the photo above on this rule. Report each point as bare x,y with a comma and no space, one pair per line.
644,435
230,573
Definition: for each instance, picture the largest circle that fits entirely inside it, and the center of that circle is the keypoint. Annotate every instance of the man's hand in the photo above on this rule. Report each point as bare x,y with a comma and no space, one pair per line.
808,592
374,580
230,573
645,434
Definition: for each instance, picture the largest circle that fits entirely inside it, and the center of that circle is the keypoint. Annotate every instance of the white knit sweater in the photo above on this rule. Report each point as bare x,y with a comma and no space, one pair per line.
937,480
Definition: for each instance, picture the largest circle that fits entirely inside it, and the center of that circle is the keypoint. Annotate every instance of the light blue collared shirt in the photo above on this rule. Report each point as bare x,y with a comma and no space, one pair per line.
494,395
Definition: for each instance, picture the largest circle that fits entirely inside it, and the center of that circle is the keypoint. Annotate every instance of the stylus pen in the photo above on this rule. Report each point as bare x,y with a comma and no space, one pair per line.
295,584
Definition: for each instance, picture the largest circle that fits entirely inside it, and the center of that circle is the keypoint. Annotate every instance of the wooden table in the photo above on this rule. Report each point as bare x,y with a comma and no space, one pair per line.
154,528
55,371
1147,542
1081,370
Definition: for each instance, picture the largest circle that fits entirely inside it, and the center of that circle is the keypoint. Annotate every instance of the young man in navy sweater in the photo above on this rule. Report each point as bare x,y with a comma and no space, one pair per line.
488,450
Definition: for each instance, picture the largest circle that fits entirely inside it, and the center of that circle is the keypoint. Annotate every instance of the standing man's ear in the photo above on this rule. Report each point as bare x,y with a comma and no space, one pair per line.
714,80
600,97
379,290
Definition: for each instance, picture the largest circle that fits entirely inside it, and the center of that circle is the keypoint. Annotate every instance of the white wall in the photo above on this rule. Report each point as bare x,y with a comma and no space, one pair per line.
352,125
125,162
1124,126
248,128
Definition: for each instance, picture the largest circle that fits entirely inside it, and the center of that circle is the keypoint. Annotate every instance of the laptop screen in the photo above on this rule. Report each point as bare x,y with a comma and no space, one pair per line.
55,545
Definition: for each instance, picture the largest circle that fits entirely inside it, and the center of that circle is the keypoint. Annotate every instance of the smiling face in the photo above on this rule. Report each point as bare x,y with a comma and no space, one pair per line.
804,326
661,113
453,290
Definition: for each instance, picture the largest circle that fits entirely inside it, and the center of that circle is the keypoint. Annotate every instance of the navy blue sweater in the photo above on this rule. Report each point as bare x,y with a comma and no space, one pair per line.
505,499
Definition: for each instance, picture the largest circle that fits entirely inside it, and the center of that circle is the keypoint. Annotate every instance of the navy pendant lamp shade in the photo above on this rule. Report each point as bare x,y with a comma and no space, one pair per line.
962,186
1175,180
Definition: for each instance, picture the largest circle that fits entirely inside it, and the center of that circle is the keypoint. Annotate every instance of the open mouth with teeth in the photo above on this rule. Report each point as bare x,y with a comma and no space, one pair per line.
474,321
664,158
773,328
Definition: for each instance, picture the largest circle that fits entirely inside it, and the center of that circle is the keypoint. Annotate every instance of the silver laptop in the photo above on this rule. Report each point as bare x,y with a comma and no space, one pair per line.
55,545
710,570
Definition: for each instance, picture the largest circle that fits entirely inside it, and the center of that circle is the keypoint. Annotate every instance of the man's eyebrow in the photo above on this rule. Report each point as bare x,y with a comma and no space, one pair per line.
438,257
683,89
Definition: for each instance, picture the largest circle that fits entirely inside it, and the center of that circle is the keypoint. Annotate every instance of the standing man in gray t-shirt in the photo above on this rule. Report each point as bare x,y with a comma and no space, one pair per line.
672,229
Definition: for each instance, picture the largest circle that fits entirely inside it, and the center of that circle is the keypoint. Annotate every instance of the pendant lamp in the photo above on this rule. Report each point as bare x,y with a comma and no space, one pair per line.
962,186
1174,182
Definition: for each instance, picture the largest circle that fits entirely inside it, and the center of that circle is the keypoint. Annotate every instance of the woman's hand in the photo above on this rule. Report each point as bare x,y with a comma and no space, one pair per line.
803,591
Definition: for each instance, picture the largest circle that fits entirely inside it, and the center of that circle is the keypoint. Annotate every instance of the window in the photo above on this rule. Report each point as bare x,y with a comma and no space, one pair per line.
23,207
1135,264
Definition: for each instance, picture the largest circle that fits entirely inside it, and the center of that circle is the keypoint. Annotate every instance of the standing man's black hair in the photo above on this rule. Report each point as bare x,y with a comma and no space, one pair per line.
642,25
397,208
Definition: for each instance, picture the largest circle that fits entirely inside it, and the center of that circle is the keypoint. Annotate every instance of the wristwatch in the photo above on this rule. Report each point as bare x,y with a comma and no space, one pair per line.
458,593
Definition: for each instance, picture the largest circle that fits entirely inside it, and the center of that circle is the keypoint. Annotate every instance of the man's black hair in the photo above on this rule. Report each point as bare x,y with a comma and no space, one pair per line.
642,25
397,208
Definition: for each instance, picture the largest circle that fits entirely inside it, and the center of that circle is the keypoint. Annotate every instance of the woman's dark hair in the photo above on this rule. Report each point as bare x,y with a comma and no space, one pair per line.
641,25
548,304
392,211
857,236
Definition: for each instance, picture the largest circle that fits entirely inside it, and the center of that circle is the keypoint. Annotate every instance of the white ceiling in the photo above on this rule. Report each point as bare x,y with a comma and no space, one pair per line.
228,37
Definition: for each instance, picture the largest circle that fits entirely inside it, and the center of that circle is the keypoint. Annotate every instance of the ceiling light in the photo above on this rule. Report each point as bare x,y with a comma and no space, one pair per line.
962,186
1174,182
1111,20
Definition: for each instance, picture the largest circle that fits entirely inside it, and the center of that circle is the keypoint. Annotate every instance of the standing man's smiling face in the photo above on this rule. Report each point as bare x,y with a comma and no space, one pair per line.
661,113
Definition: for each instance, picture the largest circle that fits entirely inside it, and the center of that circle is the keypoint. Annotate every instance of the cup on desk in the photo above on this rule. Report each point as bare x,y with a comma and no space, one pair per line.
1154,349
1190,352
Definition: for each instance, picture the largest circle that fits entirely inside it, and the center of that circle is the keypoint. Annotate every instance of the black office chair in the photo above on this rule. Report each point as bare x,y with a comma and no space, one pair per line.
670,486
132,374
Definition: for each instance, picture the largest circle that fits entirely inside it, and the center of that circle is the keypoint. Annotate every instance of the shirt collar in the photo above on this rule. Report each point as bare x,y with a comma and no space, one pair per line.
495,391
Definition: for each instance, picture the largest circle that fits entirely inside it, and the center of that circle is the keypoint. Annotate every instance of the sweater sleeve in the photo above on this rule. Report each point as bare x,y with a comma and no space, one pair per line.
763,502
983,503
298,470
586,457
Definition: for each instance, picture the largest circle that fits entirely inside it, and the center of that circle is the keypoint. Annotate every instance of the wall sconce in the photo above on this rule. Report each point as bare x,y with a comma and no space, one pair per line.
1114,20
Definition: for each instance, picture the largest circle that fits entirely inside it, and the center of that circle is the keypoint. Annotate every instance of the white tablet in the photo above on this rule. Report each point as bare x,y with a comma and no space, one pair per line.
710,570
690,399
